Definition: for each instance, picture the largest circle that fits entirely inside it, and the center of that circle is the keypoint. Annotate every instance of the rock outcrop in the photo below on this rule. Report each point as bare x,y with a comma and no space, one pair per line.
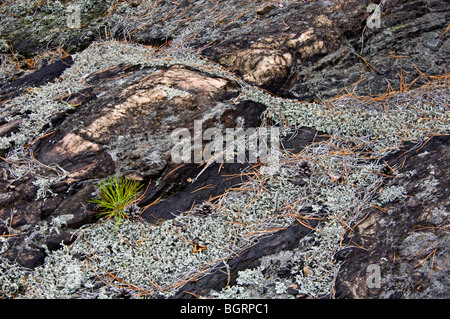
356,206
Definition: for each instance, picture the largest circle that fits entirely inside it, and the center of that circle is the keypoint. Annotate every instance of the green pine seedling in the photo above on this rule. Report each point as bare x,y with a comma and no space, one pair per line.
114,195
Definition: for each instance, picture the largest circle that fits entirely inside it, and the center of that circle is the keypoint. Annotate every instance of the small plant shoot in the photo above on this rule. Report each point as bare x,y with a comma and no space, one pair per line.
115,196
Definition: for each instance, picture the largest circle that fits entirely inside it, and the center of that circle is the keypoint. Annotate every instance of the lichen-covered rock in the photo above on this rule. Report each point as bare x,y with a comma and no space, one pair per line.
355,207
406,238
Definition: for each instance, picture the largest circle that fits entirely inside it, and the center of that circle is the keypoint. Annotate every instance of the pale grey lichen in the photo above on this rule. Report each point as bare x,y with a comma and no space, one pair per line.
172,92
158,259
352,121
58,222
314,252
319,258
36,106
44,185
438,215
11,278
250,277
4,47
59,277
428,186
390,193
